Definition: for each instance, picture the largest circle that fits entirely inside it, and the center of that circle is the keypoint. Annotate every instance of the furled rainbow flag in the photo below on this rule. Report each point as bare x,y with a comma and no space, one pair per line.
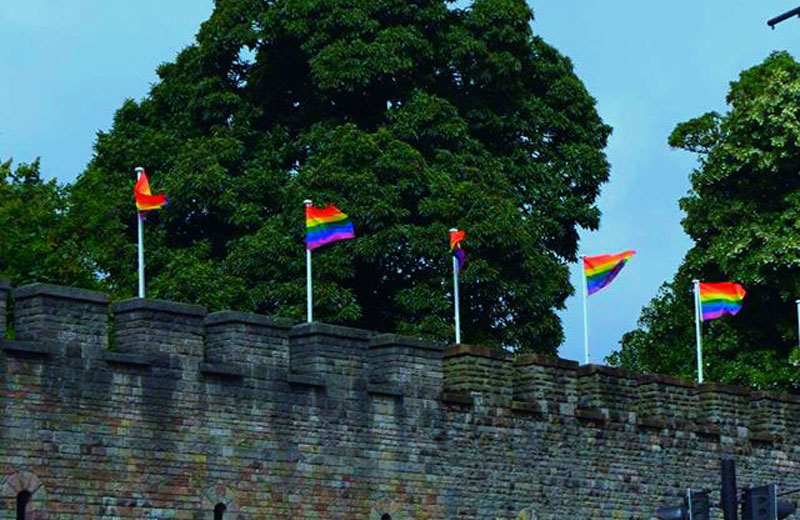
602,269
326,225
455,247
721,298
146,201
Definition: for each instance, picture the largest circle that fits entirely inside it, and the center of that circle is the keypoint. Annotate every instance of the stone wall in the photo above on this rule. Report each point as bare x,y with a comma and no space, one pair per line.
188,412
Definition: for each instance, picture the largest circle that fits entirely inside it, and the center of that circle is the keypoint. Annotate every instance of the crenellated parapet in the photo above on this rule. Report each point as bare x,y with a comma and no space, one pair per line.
51,321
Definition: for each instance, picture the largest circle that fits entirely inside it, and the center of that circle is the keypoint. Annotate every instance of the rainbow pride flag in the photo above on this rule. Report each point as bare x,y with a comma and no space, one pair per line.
602,269
326,225
455,247
720,298
145,200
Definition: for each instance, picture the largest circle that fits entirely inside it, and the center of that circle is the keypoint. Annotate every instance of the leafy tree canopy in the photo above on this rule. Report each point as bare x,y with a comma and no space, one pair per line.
743,213
410,116
33,244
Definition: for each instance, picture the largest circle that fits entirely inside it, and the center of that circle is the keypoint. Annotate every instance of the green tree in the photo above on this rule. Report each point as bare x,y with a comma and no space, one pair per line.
408,115
743,213
33,244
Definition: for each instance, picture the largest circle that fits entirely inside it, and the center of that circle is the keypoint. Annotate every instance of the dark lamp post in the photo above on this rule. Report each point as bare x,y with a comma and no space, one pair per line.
772,22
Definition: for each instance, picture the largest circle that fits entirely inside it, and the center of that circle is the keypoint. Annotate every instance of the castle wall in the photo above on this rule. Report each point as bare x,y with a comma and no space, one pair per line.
184,410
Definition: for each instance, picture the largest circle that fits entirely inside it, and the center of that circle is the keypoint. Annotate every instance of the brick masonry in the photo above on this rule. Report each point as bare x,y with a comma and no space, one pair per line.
183,411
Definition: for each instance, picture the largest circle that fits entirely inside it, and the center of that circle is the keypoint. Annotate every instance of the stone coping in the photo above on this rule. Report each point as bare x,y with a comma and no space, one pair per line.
323,329
58,291
248,318
476,350
666,380
588,370
146,304
311,380
126,358
396,340
223,369
530,359
719,388
774,396
28,347
457,397
385,389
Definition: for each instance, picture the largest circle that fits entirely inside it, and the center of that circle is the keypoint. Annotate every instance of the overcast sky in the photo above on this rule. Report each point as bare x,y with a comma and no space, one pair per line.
67,65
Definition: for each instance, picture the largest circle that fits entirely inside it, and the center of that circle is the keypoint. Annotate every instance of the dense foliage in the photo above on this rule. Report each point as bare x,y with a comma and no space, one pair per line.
743,213
410,116
33,244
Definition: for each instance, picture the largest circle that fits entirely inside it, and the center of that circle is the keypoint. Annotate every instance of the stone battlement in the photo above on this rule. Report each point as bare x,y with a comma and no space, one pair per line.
53,321
182,410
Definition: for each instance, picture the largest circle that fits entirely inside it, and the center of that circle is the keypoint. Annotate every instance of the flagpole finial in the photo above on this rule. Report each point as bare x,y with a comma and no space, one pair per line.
453,230
139,169
307,202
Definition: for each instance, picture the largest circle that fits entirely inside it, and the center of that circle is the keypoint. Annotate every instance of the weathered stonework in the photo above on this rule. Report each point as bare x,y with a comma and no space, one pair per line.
5,287
189,412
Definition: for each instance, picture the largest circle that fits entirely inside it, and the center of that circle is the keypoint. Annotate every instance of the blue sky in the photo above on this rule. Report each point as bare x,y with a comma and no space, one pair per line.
67,65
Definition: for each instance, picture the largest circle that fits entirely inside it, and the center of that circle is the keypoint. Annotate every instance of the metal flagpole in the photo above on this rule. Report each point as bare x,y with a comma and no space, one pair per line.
775,500
697,320
309,307
798,322
139,172
585,313
455,296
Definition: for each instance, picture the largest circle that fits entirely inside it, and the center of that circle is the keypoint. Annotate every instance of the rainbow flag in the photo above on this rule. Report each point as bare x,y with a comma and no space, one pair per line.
602,269
326,225
146,201
721,298
455,247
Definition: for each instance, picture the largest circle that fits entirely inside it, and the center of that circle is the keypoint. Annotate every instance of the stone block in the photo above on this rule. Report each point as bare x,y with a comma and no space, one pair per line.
665,400
725,406
543,378
336,354
410,364
63,315
5,289
483,372
772,415
610,388
250,339
157,327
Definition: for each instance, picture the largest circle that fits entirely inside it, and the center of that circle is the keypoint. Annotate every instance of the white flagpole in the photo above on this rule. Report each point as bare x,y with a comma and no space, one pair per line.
309,307
697,320
139,172
798,322
585,312
455,296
